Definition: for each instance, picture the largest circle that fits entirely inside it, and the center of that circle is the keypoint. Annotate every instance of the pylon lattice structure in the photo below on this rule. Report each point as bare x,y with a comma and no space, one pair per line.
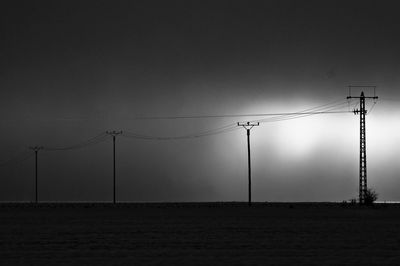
363,151
363,145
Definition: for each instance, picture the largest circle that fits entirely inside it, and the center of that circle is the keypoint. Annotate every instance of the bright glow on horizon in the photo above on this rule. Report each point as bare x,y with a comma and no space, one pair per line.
298,138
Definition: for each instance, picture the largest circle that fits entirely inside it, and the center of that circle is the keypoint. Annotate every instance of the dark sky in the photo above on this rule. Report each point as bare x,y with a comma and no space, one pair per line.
70,70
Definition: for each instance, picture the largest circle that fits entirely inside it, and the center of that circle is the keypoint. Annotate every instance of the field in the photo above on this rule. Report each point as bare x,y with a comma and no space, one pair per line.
199,234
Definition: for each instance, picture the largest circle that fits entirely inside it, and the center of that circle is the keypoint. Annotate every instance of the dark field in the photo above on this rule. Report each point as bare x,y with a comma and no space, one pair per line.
199,234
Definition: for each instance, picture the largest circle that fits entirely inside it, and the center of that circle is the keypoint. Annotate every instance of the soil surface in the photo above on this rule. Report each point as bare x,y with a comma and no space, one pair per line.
199,234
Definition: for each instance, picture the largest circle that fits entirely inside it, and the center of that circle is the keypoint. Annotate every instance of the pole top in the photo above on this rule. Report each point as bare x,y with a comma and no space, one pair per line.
114,132
248,125
36,148
369,89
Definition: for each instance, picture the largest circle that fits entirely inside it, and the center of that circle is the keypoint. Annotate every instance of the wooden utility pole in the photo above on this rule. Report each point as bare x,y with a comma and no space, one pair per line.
114,134
248,126
36,149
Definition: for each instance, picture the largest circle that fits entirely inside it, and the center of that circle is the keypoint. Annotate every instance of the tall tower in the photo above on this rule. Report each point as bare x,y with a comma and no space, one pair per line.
363,144
363,151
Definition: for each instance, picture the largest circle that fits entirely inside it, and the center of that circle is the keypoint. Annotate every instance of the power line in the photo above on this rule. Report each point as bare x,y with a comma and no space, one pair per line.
324,109
328,108
391,99
18,158
190,116
372,108
299,115
90,142
233,115
225,129
228,115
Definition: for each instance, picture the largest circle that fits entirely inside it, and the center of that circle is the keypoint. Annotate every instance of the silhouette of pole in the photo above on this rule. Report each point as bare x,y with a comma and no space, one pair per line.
363,143
249,163
36,150
114,134
248,126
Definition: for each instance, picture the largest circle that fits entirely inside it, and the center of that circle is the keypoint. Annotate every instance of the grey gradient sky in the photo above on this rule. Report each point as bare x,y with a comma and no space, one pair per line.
70,70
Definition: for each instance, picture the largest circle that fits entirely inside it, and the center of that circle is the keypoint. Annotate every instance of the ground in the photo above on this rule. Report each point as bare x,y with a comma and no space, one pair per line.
199,234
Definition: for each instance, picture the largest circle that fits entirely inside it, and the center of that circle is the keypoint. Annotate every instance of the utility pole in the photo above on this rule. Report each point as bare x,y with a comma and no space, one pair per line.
114,134
248,126
363,144
36,149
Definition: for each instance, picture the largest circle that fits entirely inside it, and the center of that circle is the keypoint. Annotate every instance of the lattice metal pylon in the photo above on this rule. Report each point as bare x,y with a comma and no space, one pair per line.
363,151
363,143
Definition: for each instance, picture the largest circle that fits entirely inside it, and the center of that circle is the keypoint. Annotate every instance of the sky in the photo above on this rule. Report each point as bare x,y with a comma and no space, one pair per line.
71,70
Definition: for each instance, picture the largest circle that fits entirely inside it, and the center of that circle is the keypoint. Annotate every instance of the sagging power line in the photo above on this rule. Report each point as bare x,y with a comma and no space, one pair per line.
235,115
329,108
19,157
210,132
89,142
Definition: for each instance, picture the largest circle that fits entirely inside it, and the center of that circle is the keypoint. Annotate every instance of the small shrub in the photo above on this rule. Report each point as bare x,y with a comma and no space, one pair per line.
370,197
